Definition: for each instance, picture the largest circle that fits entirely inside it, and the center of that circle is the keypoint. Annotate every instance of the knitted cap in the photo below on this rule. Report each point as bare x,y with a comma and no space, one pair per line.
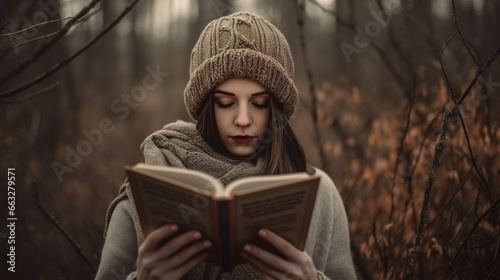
241,45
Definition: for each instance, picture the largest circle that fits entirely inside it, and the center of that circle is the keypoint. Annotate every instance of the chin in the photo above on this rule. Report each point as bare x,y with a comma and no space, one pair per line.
242,152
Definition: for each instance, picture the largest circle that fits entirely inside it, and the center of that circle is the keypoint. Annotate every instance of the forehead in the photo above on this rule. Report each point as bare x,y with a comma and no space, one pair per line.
240,87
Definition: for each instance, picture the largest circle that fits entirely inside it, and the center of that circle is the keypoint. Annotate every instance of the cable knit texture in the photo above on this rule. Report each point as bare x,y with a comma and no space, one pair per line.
179,144
241,45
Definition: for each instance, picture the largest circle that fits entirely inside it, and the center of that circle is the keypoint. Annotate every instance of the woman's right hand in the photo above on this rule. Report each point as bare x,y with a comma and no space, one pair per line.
174,258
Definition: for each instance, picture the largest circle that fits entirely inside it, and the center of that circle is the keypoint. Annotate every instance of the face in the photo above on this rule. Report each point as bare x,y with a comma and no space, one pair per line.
242,112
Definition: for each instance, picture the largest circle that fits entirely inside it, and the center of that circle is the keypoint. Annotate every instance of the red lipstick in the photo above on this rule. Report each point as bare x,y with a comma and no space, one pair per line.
243,139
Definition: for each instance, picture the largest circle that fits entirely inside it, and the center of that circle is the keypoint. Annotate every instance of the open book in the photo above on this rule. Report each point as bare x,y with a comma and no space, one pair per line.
229,216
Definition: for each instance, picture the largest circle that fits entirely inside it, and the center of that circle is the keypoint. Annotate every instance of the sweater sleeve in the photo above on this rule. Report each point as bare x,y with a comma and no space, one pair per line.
328,240
119,253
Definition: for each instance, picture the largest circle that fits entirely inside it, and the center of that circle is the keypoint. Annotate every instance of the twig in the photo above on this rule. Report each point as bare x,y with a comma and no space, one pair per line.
471,152
496,249
56,223
451,199
456,109
427,195
401,146
479,72
493,271
379,249
379,50
361,266
463,224
63,63
48,44
3,25
437,158
417,160
457,24
476,224
300,5
33,26
13,47
486,242
32,95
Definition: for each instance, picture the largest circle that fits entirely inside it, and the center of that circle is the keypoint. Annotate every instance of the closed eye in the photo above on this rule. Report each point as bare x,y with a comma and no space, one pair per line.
224,105
263,105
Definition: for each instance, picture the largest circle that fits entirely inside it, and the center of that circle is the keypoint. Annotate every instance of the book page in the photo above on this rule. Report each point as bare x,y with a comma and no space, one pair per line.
191,178
256,183
159,202
284,210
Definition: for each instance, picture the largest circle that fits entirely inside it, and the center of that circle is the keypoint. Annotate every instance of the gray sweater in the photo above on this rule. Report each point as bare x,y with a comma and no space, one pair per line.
327,242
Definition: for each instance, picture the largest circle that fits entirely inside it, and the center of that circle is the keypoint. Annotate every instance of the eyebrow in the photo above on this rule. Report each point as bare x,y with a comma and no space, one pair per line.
232,94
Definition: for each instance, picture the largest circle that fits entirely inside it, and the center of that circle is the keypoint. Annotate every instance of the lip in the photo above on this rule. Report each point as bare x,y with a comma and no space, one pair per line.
242,138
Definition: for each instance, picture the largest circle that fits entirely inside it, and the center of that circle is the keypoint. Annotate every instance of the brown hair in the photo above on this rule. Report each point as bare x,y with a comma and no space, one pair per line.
279,145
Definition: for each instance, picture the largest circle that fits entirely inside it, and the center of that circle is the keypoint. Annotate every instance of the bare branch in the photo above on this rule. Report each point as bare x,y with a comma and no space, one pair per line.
379,249
476,224
63,63
492,273
479,72
486,242
61,229
300,5
401,146
379,50
456,110
54,85
437,158
3,25
13,47
33,26
451,199
48,44
427,195
457,24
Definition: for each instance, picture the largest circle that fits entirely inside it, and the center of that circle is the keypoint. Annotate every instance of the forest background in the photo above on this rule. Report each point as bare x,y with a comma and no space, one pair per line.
397,104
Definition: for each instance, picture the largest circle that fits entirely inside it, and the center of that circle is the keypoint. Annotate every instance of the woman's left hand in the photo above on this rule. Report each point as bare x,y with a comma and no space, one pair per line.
298,264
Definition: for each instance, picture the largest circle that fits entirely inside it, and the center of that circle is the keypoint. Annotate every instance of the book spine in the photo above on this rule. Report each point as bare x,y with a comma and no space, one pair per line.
224,235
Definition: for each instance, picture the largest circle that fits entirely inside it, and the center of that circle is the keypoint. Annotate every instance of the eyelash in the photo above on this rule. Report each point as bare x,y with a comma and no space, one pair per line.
229,105
261,106
224,106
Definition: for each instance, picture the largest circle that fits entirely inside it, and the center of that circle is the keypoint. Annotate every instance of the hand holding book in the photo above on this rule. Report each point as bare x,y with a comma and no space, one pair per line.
297,264
229,216
174,258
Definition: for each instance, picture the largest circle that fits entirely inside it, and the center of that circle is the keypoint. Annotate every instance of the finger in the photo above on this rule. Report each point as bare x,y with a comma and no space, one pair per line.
155,237
177,243
293,254
270,259
185,267
264,271
187,253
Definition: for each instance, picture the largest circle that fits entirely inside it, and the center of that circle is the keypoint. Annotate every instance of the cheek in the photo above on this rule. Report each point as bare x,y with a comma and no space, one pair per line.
219,117
263,119
221,120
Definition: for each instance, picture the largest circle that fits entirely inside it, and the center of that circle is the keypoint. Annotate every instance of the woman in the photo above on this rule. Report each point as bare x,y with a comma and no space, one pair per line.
241,95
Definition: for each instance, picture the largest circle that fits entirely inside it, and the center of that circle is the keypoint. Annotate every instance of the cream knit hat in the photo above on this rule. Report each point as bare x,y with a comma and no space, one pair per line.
241,45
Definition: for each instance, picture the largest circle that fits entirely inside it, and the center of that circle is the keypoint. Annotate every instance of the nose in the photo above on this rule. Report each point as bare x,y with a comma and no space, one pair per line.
243,117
